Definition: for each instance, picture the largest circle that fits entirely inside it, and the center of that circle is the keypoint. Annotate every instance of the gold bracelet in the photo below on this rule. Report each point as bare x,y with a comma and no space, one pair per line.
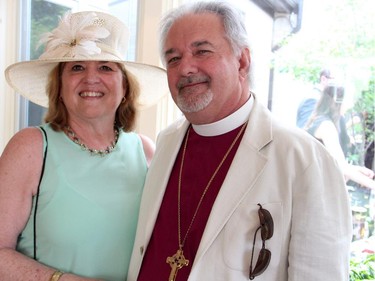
56,275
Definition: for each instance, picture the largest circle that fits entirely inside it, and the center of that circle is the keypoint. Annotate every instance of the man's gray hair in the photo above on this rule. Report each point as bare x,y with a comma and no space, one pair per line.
232,18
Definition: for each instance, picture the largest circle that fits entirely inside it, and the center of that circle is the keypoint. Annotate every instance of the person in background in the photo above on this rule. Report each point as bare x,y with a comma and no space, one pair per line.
70,189
324,125
231,194
306,107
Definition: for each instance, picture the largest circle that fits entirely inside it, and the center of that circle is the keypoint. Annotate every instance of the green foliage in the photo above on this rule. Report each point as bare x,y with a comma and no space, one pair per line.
365,108
43,19
343,35
362,269
365,104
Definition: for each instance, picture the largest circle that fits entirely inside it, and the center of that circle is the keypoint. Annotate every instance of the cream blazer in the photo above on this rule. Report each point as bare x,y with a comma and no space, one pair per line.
292,176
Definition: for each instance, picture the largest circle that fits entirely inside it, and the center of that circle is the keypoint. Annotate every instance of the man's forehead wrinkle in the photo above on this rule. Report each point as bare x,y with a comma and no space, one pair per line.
200,43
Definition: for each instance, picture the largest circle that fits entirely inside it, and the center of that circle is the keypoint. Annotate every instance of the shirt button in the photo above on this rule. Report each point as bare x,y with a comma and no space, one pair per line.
141,250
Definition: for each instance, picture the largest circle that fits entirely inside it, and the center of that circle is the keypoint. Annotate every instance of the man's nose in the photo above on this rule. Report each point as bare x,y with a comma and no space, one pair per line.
187,66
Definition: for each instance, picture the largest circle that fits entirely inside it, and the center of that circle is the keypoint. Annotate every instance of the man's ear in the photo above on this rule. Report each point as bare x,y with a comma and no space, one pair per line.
245,61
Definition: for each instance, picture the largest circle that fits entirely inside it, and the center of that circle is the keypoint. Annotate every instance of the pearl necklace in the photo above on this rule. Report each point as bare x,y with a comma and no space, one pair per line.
100,152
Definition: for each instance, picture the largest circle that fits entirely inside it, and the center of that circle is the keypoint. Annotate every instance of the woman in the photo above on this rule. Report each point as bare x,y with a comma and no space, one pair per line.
324,125
79,224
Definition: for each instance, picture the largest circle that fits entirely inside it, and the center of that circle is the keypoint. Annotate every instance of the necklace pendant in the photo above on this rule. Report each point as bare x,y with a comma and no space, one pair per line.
177,261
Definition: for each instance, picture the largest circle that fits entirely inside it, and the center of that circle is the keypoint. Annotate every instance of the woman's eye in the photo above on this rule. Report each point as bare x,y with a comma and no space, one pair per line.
77,67
106,68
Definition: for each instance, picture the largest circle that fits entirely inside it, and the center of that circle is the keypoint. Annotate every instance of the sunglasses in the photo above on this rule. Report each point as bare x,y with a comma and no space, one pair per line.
266,230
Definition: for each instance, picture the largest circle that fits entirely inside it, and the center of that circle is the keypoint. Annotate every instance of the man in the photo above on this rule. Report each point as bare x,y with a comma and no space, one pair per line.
306,107
231,194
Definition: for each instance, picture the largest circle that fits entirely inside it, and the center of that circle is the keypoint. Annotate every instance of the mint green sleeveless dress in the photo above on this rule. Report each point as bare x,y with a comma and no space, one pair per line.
88,208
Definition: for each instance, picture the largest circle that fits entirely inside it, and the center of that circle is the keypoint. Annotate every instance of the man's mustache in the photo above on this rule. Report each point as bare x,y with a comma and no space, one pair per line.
193,79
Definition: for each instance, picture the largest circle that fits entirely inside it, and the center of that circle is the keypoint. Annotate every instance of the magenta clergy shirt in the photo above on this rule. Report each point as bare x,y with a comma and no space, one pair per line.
203,155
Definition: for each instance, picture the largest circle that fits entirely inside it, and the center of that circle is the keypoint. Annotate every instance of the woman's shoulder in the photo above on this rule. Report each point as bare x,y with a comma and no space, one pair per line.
326,129
327,123
25,145
24,152
148,147
26,139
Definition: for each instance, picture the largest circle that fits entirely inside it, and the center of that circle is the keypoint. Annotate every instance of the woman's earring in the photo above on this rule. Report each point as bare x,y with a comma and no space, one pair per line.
123,99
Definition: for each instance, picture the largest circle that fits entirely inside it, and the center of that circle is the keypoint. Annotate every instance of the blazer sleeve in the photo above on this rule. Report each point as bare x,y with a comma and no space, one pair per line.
321,226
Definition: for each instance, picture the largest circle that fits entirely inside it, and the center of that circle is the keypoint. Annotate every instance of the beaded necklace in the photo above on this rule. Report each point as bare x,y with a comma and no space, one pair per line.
100,152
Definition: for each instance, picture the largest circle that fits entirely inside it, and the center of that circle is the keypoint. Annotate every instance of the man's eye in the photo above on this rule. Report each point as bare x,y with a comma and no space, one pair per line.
201,52
172,60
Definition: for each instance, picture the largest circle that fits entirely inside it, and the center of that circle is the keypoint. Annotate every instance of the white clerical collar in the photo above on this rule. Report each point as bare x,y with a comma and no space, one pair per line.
227,124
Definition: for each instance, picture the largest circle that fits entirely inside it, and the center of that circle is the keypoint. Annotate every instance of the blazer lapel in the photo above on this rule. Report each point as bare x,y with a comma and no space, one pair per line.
246,167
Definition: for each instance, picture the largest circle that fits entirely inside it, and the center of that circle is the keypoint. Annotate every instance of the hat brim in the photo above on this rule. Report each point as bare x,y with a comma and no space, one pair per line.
29,78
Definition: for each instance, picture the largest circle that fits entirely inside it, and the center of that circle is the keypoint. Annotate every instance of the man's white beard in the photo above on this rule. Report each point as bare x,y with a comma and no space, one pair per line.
189,105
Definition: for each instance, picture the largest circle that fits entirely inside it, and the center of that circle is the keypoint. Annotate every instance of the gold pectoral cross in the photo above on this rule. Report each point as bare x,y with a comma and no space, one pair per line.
176,262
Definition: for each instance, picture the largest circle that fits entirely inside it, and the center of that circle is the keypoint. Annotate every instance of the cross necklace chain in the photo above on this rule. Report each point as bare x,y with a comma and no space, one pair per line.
178,260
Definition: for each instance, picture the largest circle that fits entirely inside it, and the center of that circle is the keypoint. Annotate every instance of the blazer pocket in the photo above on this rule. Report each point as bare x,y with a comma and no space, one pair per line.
238,236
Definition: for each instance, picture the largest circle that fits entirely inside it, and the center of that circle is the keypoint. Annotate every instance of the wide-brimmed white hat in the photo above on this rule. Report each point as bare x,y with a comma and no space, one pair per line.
84,36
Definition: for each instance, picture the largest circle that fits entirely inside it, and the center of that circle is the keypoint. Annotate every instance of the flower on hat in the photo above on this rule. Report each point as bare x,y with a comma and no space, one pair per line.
74,37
